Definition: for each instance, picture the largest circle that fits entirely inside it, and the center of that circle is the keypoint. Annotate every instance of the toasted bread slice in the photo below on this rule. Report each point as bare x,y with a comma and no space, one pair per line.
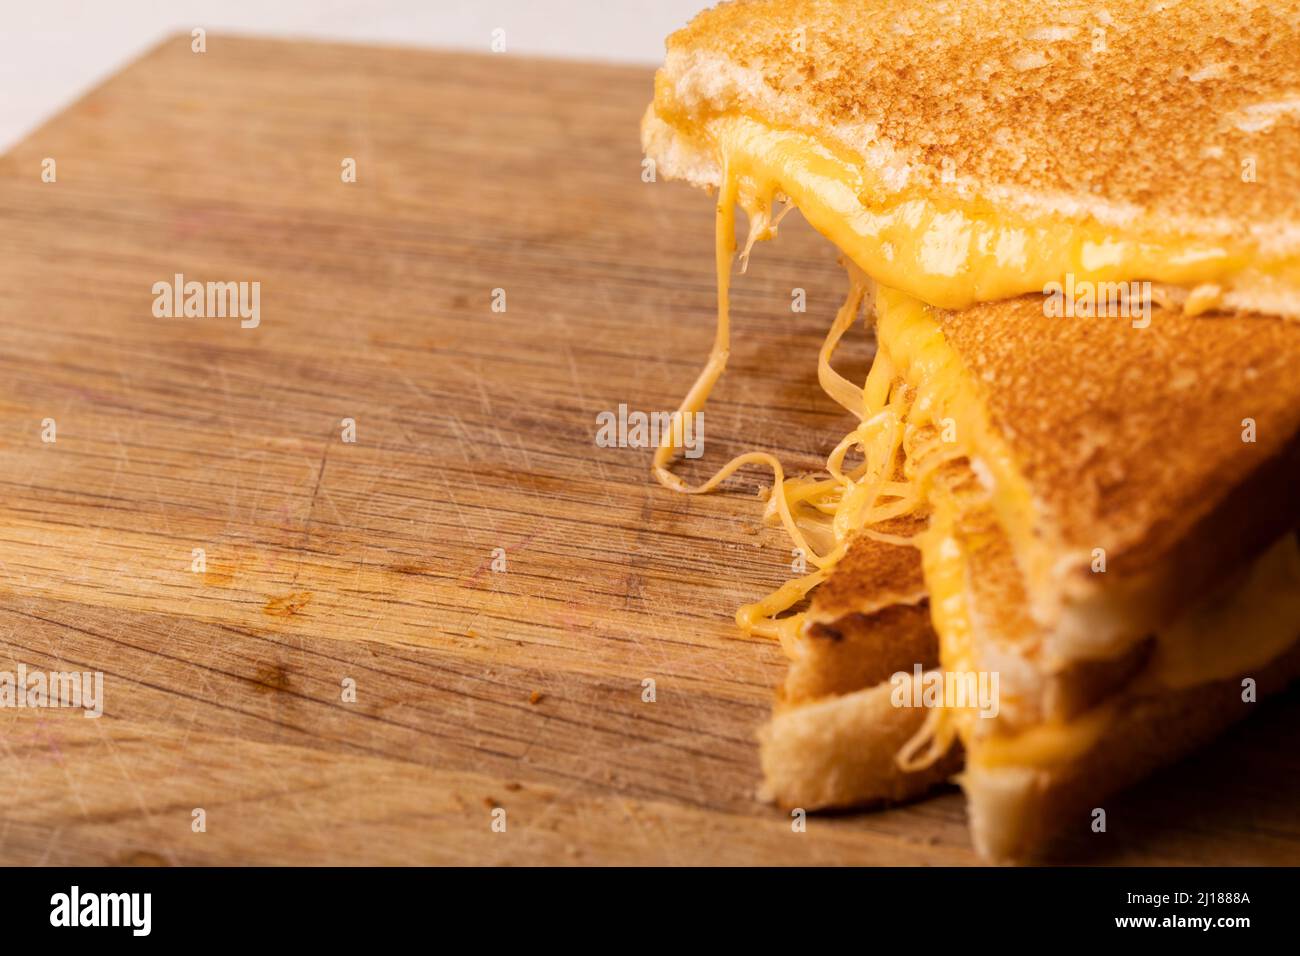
870,620
841,751
1016,811
1126,465
1176,519
944,129
835,732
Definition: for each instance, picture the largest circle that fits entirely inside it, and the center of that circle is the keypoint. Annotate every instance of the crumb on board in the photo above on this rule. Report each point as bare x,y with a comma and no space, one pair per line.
535,697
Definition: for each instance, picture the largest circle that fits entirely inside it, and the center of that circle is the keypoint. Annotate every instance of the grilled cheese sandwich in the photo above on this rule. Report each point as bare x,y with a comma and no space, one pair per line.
1014,449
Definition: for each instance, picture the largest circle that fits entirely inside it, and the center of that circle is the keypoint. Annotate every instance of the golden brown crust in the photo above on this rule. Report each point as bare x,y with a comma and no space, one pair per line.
858,650
872,574
834,732
1131,438
1130,111
868,620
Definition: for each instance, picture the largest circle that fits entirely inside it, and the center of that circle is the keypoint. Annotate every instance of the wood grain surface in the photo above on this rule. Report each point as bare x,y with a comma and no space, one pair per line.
328,560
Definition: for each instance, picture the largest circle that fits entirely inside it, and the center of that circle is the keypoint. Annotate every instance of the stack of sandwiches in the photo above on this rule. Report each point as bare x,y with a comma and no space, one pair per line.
1058,548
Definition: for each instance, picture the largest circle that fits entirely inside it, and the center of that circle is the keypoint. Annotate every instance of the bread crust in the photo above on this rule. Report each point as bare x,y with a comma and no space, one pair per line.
841,752
835,733
1131,441
1015,812
1019,104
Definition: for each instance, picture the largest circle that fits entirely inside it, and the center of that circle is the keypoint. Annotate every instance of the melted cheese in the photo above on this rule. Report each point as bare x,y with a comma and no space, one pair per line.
946,397
1244,627
1237,630
1046,745
854,499
953,252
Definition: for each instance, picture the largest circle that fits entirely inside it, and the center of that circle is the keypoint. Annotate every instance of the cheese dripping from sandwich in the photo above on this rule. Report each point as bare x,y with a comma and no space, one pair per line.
897,452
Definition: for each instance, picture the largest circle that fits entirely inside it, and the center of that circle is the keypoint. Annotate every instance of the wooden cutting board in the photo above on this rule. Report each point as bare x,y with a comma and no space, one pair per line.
328,561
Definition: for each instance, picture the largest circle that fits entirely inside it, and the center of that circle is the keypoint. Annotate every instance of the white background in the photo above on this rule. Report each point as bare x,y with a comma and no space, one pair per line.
53,51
